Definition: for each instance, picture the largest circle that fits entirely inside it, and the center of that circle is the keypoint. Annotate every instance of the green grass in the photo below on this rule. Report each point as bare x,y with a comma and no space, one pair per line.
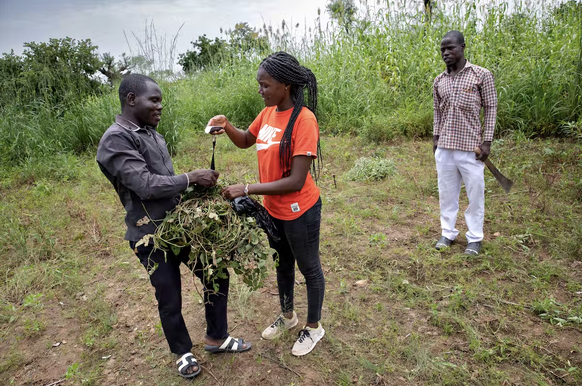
510,315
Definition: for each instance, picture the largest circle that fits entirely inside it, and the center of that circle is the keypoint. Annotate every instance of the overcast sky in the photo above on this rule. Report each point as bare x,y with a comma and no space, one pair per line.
103,21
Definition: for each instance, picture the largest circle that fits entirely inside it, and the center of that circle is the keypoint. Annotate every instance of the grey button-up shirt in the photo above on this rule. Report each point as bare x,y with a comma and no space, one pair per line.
136,161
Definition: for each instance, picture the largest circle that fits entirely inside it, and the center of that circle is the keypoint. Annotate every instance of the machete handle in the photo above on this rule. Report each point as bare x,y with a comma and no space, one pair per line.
477,150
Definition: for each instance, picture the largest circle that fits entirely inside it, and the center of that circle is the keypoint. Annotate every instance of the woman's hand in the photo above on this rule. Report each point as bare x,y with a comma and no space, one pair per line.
233,191
218,121
219,125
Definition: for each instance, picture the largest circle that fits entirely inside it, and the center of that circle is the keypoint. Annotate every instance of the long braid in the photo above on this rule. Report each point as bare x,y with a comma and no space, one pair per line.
284,68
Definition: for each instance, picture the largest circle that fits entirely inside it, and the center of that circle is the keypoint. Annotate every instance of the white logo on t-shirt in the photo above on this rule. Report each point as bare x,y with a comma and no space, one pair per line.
266,134
295,207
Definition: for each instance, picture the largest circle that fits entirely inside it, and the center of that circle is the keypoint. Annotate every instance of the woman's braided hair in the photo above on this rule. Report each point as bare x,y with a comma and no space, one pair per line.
284,68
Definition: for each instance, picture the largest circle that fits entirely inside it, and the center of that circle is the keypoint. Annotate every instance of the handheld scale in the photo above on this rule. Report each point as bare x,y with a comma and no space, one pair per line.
210,130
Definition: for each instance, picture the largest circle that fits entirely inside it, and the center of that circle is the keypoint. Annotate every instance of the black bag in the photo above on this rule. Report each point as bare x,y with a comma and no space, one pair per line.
245,205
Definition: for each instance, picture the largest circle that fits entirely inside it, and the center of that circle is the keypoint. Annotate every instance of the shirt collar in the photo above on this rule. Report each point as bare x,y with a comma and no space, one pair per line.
467,65
127,124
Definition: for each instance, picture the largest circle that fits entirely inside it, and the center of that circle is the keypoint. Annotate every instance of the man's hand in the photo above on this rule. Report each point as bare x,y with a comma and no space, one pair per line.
485,151
203,177
233,191
435,143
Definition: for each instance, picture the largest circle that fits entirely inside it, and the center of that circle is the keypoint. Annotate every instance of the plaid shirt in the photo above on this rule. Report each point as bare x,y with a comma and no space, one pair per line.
457,106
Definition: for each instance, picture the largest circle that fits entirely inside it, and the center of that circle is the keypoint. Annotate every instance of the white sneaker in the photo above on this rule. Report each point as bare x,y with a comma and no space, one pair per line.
308,338
279,326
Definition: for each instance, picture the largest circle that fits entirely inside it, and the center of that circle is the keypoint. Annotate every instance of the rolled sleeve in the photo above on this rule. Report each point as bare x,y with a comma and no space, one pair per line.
489,100
119,156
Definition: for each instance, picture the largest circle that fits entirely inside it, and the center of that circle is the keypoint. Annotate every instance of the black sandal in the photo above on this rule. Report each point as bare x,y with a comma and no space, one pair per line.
185,362
229,345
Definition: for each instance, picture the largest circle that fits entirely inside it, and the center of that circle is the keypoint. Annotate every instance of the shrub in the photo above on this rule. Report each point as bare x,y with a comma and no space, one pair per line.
371,169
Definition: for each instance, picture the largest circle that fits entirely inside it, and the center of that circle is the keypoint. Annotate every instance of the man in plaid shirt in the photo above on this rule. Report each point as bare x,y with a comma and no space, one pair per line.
459,94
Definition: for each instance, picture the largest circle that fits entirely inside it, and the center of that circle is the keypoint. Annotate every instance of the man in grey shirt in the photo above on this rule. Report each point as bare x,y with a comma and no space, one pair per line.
135,159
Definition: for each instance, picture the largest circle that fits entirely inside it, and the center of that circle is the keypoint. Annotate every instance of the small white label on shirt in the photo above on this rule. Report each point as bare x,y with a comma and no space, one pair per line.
295,207
309,154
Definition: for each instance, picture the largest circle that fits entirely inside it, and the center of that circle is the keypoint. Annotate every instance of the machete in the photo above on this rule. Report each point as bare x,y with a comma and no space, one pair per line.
505,182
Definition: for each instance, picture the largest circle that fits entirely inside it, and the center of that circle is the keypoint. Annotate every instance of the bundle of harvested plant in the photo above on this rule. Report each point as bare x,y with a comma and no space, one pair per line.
217,236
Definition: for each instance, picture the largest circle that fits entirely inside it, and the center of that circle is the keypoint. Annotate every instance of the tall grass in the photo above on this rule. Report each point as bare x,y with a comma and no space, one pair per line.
375,78
39,142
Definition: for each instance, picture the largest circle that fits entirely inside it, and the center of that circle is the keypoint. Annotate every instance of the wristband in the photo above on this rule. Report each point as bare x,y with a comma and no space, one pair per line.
247,190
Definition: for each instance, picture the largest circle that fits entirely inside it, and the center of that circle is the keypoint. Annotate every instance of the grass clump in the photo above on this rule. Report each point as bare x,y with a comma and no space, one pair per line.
371,169
556,313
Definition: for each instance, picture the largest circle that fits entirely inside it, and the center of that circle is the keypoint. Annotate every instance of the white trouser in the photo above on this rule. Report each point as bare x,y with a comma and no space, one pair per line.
454,166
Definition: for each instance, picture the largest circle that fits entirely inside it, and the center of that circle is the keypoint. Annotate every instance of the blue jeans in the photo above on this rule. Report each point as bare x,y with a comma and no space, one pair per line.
300,242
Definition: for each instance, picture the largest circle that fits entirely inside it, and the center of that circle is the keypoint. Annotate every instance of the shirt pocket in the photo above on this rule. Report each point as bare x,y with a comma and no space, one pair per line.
467,99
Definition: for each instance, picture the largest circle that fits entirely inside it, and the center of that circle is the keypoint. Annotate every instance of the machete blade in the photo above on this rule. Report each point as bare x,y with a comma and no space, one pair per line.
505,182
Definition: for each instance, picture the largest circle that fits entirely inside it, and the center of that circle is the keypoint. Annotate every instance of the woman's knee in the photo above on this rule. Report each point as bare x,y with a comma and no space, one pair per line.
312,271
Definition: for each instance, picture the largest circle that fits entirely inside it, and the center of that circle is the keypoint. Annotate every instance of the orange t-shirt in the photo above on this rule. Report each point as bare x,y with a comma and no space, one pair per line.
268,127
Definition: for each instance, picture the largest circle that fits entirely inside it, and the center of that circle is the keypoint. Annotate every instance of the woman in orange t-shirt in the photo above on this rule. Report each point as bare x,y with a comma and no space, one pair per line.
286,135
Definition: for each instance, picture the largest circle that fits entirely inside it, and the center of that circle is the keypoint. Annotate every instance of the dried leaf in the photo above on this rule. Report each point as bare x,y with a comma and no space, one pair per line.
143,221
144,241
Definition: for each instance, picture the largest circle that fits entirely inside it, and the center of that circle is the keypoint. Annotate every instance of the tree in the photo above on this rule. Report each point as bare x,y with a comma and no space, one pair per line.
76,58
242,40
11,66
55,72
205,53
343,11
113,70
